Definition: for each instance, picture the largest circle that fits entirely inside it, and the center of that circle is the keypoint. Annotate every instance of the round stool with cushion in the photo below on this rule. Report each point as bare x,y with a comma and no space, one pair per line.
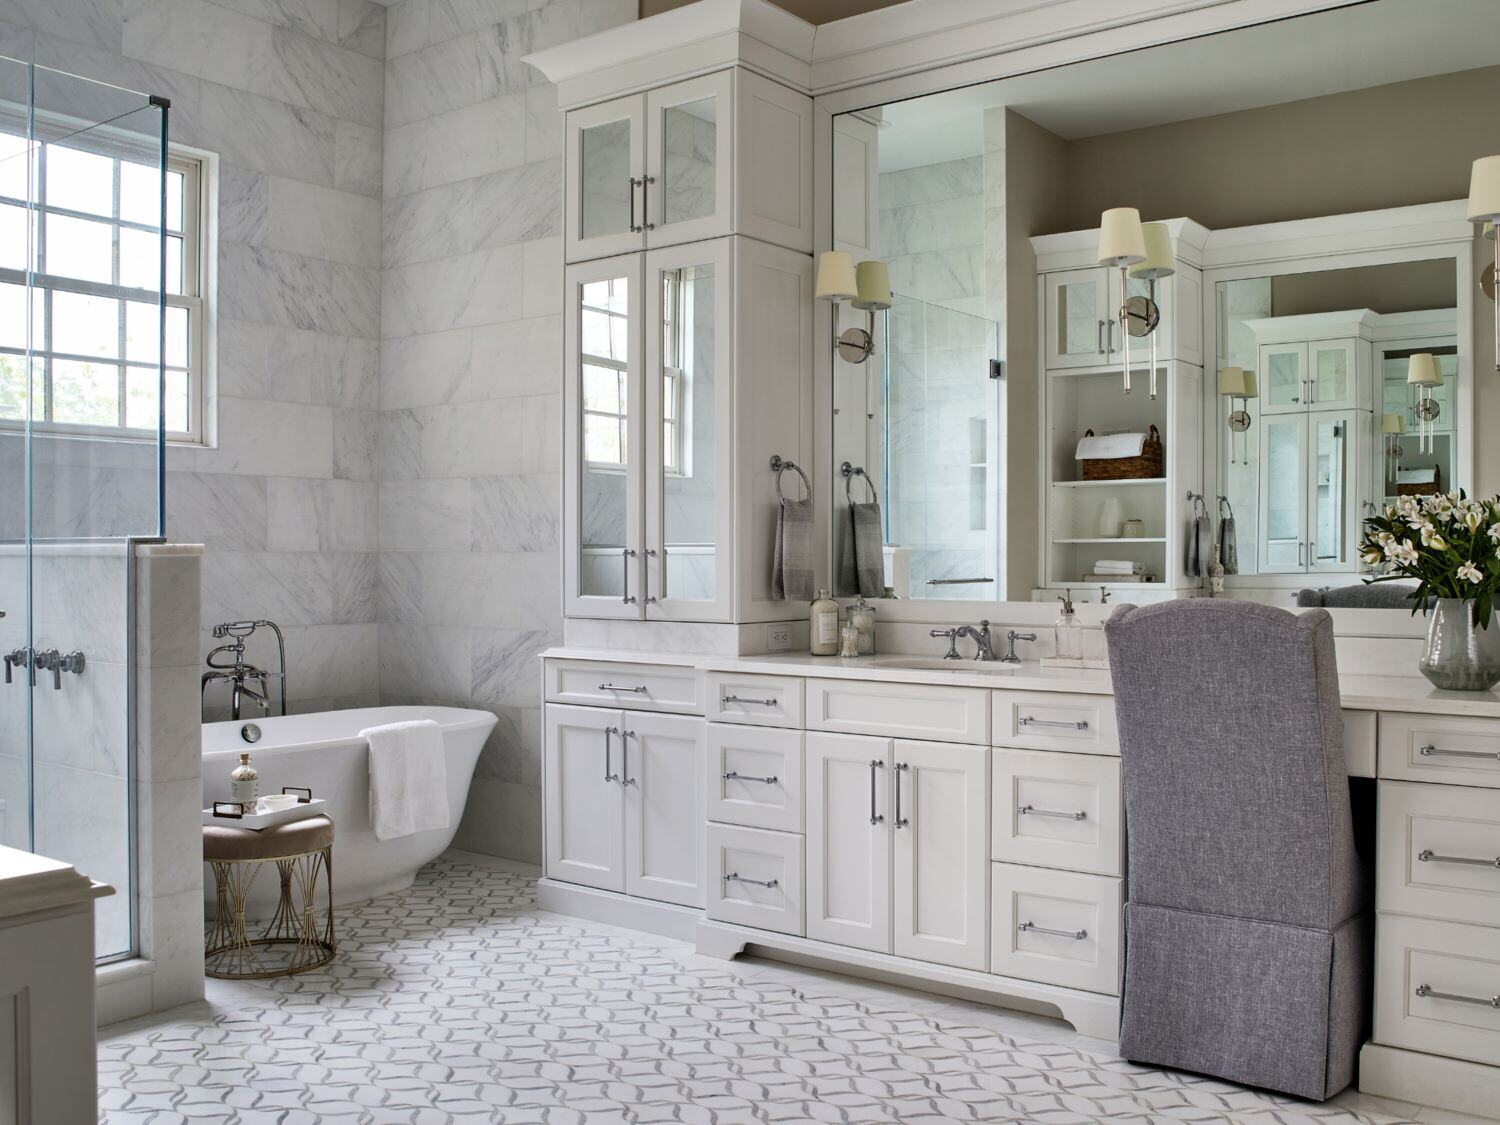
293,940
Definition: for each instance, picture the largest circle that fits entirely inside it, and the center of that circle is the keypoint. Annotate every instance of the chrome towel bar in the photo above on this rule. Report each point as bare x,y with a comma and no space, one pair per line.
731,775
1033,928
1426,992
1032,810
1427,855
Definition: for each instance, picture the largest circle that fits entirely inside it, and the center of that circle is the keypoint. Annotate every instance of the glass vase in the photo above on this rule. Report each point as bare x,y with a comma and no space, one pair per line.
1460,655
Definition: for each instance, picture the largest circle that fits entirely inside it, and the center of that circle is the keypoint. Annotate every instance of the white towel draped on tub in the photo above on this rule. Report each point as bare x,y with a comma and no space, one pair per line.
408,778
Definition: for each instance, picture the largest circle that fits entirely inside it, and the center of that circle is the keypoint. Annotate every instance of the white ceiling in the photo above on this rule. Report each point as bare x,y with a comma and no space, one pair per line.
1347,49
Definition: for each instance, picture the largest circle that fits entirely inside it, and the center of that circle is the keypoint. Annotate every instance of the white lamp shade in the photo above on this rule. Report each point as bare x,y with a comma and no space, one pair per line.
1121,242
1232,381
1484,189
1159,260
1391,424
872,280
1422,370
1252,384
836,276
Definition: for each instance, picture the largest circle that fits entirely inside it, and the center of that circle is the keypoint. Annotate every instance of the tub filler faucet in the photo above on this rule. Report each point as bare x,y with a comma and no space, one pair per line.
226,664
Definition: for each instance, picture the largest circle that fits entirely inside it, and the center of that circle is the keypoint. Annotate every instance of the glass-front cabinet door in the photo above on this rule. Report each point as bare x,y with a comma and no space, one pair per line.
1081,329
689,440
1284,492
605,158
602,442
1331,374
1332,487
1283,378
687,192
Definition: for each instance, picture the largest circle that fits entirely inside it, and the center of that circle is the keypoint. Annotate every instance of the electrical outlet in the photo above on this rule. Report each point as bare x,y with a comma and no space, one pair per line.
778,637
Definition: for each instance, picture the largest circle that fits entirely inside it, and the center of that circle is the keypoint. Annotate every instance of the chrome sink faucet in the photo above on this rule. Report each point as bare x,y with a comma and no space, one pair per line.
984,648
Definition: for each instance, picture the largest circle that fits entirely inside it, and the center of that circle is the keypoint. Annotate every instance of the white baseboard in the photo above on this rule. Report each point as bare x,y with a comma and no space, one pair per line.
1429,1080
612,908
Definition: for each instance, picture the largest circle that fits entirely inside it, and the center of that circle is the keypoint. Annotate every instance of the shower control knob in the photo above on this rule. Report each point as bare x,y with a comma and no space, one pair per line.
19,658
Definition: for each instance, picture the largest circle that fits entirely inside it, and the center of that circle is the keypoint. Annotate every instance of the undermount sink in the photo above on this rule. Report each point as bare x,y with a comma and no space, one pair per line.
937,664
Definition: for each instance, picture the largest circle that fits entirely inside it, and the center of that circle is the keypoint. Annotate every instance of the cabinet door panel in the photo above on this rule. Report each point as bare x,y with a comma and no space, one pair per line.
1078,317
1331,490
689,433
1283,378
1331,374
848,856
940,863
583,797
1284,492
689,160
602,460
605,160
662,775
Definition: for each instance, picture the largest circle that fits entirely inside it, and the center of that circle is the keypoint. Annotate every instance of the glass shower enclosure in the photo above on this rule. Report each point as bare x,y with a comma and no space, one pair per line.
87,338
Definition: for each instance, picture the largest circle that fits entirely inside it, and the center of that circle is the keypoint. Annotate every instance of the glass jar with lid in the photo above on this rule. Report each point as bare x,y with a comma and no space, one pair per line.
862,616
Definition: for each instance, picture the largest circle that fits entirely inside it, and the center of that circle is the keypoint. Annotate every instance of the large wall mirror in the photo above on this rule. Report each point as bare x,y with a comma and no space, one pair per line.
1302,351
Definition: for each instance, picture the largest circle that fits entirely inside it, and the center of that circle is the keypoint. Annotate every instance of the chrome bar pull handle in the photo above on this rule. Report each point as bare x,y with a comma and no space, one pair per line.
646,182
736,877
638,690
900,821
1099,337
646,575
1029,721
1427,855
1032,810
1430,751
625,737
1033,928
608,775
876,765
626,554
742,699
635,227
1428,993
732,775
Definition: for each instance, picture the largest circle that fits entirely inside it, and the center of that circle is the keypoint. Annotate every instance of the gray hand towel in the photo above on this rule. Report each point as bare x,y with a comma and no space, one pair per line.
792,565
862,567
1229,555
1200,535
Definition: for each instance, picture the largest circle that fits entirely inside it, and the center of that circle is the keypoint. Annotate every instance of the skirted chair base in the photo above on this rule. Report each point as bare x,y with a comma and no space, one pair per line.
1258,1003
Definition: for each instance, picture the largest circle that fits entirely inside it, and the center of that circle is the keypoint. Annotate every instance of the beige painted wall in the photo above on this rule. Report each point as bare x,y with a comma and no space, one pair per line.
1398,287
813,11
1035,163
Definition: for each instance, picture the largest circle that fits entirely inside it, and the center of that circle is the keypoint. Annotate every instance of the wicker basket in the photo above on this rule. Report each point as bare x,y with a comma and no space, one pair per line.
1150,464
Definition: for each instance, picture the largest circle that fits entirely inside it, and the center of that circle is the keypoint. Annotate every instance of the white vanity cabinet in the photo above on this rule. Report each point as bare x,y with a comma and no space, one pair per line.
671,419
722,153
897,847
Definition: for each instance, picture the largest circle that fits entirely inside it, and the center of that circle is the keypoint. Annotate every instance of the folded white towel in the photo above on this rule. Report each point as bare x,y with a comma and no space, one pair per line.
408,778
1110,445
1117,566
1416,476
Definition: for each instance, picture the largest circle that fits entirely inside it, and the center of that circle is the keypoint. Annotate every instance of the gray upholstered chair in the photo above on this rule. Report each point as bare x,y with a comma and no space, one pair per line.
1247,929
1360,595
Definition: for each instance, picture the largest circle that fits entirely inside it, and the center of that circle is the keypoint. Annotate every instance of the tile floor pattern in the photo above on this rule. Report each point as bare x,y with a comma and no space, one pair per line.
457,1001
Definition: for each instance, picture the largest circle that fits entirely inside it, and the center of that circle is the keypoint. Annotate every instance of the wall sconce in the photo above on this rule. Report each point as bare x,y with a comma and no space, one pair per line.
1143,314
1123,244
1237,383
1392,428
1484,206
867,288
1424,373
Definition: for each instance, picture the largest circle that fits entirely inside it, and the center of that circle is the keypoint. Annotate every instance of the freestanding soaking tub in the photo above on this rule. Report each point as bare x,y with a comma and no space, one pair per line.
323,752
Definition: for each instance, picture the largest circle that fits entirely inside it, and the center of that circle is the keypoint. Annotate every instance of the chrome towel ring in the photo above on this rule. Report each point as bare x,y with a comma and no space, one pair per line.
779,466
851,471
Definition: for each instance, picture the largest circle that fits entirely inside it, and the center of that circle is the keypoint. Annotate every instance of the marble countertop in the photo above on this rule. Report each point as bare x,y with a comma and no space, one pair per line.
1360,693
29,883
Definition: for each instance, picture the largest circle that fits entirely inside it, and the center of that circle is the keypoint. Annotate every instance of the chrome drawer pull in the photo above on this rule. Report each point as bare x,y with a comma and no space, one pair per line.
730,775
617,687
1033,928
1032,810
740,699
900,821
1427,855
609,775
736,877
1425,991
1430,751
876,765
1028,721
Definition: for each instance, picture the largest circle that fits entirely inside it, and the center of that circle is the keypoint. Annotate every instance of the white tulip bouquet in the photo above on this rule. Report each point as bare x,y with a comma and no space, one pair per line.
1448,543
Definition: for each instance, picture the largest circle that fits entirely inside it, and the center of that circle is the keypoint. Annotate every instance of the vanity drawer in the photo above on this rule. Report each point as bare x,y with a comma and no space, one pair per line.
895,710
1056,810
636,687
1438,852
756,878
1435,988
1055,927
770,701
1438,748
767,789
1044,720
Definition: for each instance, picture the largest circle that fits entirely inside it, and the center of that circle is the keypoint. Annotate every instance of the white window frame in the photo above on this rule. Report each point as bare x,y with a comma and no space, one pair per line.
196,233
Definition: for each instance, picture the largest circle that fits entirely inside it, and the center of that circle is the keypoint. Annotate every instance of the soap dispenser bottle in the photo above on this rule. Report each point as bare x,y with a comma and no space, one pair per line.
823,626
1068,633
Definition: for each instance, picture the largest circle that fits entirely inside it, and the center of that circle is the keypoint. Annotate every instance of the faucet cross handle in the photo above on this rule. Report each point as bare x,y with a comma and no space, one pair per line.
952,635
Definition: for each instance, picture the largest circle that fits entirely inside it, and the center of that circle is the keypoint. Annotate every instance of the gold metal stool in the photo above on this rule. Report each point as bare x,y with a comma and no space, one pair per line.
291,941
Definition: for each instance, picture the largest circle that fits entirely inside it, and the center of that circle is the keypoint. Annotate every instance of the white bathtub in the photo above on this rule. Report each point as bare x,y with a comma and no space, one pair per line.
324,752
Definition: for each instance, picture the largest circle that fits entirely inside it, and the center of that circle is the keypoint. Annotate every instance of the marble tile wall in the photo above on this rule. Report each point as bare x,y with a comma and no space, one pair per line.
289,95
471,380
